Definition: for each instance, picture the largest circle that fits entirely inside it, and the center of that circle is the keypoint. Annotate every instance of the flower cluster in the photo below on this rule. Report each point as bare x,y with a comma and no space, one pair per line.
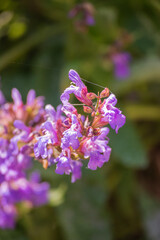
62,137
67,141
15,159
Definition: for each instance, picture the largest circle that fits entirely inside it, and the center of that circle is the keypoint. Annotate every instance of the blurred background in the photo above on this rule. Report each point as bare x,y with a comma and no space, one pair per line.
115,44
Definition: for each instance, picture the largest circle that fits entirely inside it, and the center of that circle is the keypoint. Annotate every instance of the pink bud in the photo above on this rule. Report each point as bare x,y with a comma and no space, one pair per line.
104,93
91,95
87,109
93,114
45,163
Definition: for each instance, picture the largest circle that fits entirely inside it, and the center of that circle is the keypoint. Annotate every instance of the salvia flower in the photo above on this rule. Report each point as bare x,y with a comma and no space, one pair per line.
71,135
18,122
67,141
112,114
62,137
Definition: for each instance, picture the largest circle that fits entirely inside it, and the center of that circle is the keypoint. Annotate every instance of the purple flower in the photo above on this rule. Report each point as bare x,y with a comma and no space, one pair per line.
76,90
17,98
33,101
17,131
31,97
69,109
90,20
97,150
80,90
113,115
40,148
52,114
21,126
39,190
66,165
50,132
28,190
70,136
7,216
76,170
23,134
14,186
63,165
121,63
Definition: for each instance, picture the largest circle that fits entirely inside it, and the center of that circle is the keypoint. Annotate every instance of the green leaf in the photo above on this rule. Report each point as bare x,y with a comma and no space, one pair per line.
49,62
127,147
26,45
17,234
42,223
150,211
82,216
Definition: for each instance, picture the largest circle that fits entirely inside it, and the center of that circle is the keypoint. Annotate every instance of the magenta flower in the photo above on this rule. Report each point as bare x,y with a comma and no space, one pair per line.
67,141
80,90
63,165
76,170
50,132
112,114
14,185
121,63
97,150
71,135
8,215
66,165
18,122
63,138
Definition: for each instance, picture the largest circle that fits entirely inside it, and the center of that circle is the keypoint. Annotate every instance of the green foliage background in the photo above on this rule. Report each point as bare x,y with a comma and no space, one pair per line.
38,46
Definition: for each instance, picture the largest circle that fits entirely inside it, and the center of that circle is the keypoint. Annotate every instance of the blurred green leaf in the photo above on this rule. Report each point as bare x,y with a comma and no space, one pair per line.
142,112
21,48
17,29
127,147
5,18
42,223
47,67
82,215
4,4
56,196
17,234
150,210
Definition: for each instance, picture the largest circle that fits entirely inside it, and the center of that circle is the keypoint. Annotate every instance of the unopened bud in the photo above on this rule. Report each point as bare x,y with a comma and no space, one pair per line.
91,95
104,93
45,163
87,109
93,114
